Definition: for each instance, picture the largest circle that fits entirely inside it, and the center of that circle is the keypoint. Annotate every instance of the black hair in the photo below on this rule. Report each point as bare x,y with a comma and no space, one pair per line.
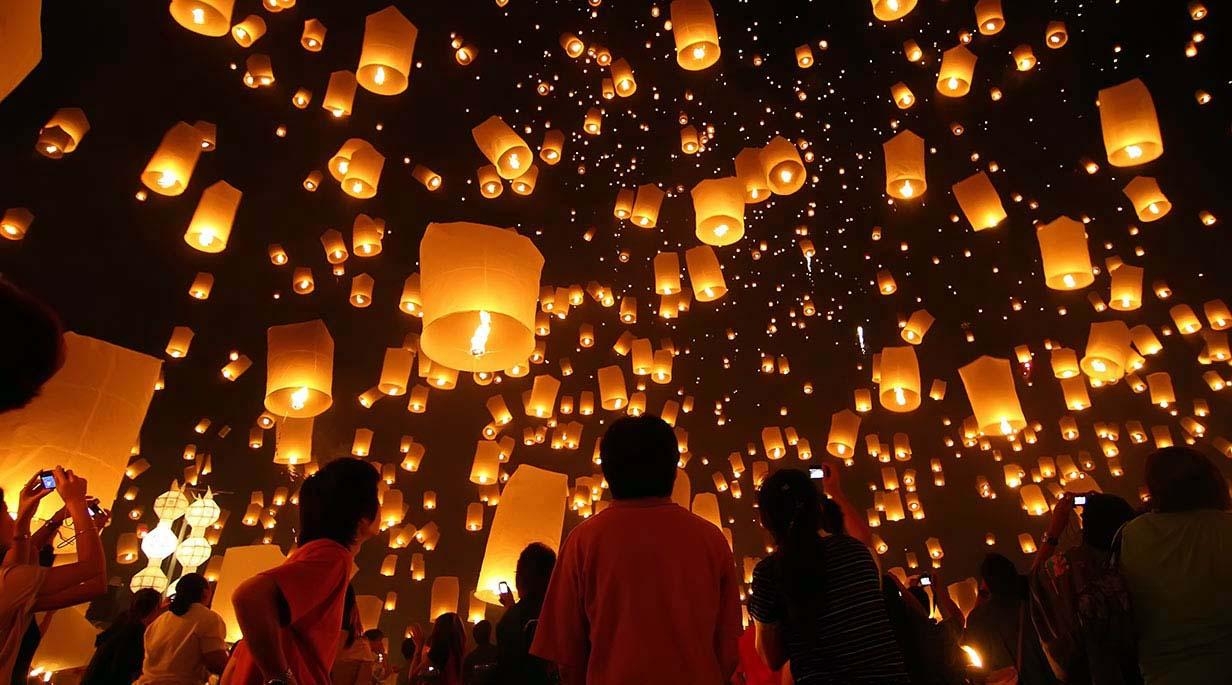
534,570
30,359
832,517
350,607
790,508
639,457
145,602
374,634
1102,516
447,638
189,590
1183,479
1002,578
482,633
334,500
408,648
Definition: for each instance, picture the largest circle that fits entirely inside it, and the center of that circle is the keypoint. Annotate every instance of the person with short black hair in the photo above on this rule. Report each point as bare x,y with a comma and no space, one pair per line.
999,627
188,642
516,629
479,667
1176,560
32,348
120,649
644,591
290,615
410,656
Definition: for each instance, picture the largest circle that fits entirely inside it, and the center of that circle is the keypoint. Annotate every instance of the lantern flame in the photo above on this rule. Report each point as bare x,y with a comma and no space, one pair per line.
165,180
952,84
1068,279
299,398
907,190
699,51
198,15
973,656
479,340
899,398
1006,428
1133,151
379,77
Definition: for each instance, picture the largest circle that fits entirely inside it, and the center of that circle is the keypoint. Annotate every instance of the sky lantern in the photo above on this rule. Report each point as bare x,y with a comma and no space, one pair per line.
844,429
592,124
989,17
667,273
313,181
979,201
15,223
645,209
912,51
334,246
209,135
904,166
1064,362
366,235
889,10
258,71
1107,351
989,383
1186,321
300,377
396,371
210,226
202,284
688,140
479,284
171,166
900,379
206,17
752,175
248,31
1126,293
917,325
386,58
361,291
340,163
444,597
340,93
902,95
705,273
1064,253
553,145
542,399
1217,314
1129,124
313,36
622,77
490,185
695,33
1033,499
1024,58
411,301
302,281
804,56
1056,35
782,165
886,284
62,133
363,173
301,98
525,184
486,463
293,441
956,72
573,46
612,393
531,509
503,147
1160,385
1149,201
718,206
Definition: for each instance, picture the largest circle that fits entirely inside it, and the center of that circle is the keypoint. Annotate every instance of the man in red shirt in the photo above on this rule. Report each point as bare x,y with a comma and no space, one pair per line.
291,615
645,591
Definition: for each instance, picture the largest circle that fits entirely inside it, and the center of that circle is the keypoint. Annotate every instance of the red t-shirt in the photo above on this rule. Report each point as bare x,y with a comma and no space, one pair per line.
752,666
313,580
644,592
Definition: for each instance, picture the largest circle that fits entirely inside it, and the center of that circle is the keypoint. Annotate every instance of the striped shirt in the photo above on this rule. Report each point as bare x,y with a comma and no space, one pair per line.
852,641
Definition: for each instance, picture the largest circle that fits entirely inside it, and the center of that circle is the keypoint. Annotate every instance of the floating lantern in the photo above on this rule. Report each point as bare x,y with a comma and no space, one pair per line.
503,147
1186,321
1024,58
989,17
258,71
444,598
486,464
210,226
489,182
1064,253
363,173
313,37
622,77
171,166
718,206
889,10
553,144
574,47
989,383
334,246
1149,201
181,338
900,379
593,123
248,31
366,236
301,98
1064,363
705,274
1129,124
1056,35
340,93
62,133
645,209
361,291
1217,315
293,441
1160,384
688,140
532,509
313,181
15,223
917,325
299,382
782,165
525,184
844,429
957,70
206,17
885,282
912,51
902,95
1106,352
804,56
752,175
612,393
386,58
667,273
340,163
979,201
695,33
904,166
201,286
1126,293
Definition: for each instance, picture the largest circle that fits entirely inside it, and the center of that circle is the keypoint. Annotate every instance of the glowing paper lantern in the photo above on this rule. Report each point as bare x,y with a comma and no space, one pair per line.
258,71
293,441
340,93
531,509
844,429
957,71
363,173
645,212
1107,350
622,77
573,46
386,59
181,338
989,383
889,10
206,17
612,392
917,326
62,133
1064,253
979,201
1064,363
211,222
804,56
1126,294
1217,315
718,206
695,33
340,163
553,144
783,168
313,36
900,379
1150,203
248,31
479,285
592,124
705,273
902,95
1129,124
299,381
904,166
503,147
752,175
171,166
1056,35
1024,58
989,17
667,273
15,223
1186,321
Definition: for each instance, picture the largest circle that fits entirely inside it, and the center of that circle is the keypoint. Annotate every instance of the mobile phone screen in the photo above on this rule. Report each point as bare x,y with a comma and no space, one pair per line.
504,587
1080,500
926,581
94,509
48,480
817,473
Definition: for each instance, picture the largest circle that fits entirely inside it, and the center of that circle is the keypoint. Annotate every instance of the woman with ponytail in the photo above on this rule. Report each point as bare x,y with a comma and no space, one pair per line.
817,599
188,642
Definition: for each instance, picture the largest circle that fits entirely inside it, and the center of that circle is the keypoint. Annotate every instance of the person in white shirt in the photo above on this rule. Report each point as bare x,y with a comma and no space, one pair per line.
187,643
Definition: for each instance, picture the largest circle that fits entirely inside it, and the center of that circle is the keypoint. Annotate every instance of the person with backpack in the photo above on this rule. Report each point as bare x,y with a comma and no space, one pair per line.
516,630
1079,604
1176,561
1000,630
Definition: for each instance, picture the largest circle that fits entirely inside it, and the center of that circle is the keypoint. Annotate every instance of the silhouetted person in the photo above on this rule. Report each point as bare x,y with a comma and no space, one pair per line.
516,630
120,649
1177,561
187,642
479,667
31,348
999,627
644,591
442,664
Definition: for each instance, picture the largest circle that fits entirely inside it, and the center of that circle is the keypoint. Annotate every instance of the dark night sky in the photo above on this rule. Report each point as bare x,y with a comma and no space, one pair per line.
119,269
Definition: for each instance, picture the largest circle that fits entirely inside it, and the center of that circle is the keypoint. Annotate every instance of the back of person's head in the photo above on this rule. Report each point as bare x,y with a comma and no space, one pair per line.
408,648
189,590
447,640
334,500
482,633
31,348
832,517
1001,577
1183,479
921,596
535,565
790,506
1102,516
145,602
375,636
639,457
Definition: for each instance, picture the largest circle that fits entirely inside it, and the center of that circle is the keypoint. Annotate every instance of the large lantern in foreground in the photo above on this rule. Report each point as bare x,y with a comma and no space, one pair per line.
300,375
503,147
989,382
385,61
1063,250
900,379
1129,124
718,205
957,71
904,166
697,37
171,166
479,286
531,509
206,17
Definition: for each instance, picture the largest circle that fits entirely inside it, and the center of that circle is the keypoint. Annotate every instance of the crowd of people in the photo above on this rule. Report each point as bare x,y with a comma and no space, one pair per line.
647,592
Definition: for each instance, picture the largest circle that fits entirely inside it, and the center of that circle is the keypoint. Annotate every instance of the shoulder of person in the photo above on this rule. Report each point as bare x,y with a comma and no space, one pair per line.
22,574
